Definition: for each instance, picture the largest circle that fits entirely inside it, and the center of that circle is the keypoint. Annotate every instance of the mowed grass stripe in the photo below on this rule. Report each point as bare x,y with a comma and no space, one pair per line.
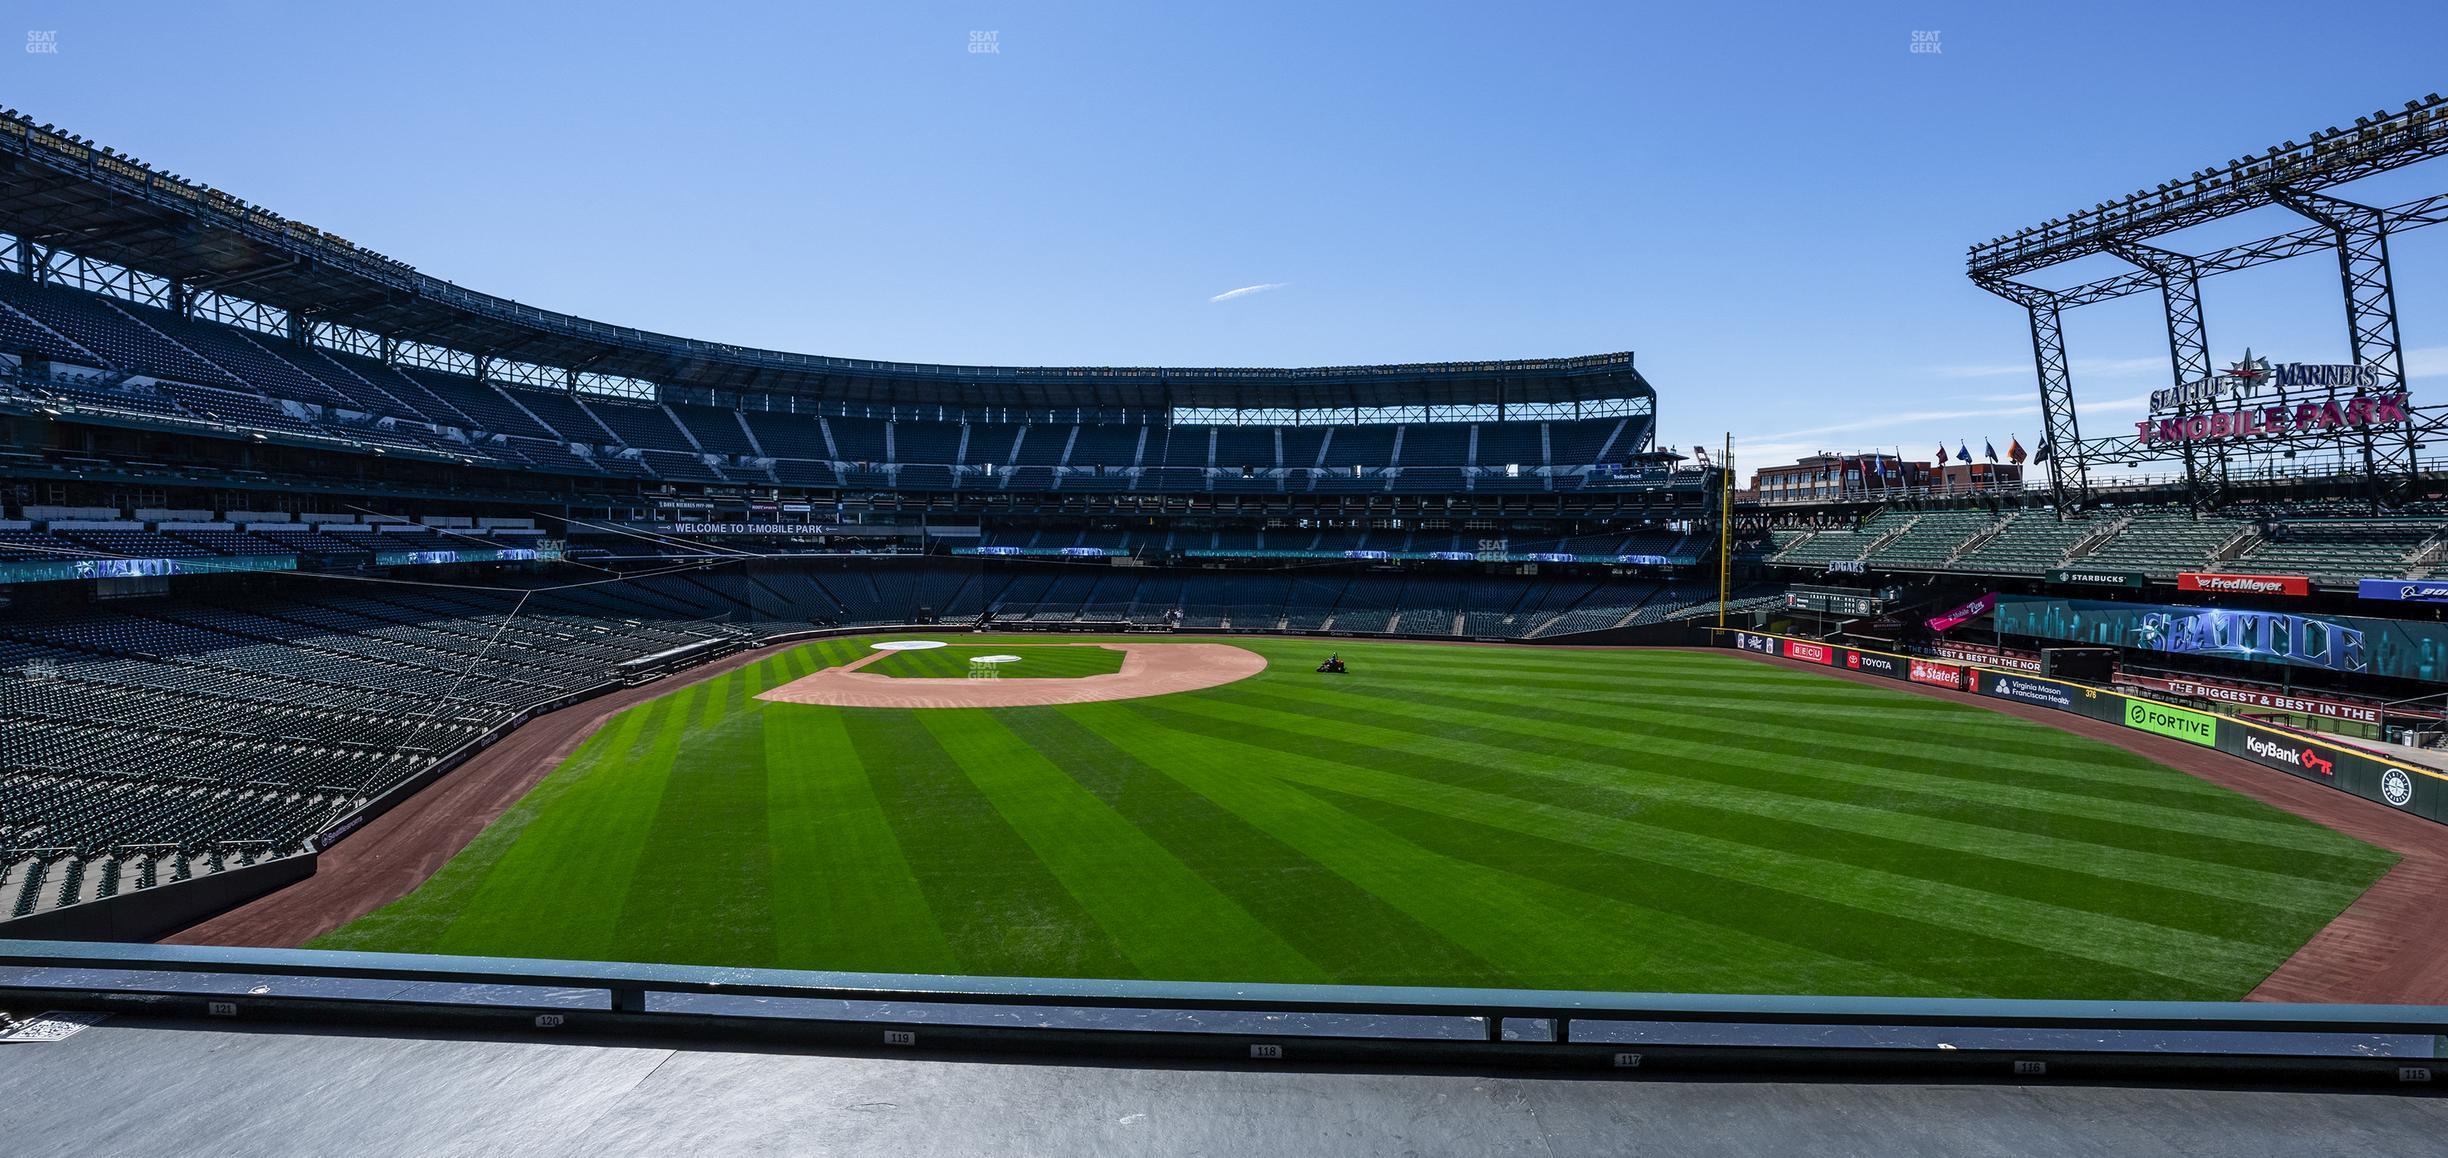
1170,922
1872,721
1693,777
845,895
1352,935
1819,764
707,848
558,891
416,923
1859,801
1363,744
1526,927
1850,925
1954,957
1000,908
2218,963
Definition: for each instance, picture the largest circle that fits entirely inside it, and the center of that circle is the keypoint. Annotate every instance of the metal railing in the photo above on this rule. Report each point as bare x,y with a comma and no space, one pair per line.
1215,1020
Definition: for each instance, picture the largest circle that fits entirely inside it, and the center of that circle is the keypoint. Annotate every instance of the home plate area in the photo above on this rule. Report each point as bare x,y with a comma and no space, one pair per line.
1147,669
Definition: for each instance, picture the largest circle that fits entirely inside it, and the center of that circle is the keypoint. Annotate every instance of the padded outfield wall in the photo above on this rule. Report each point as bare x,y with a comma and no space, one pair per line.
2402,786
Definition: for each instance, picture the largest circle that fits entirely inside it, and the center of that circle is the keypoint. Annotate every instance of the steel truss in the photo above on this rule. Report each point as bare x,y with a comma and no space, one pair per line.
2357,234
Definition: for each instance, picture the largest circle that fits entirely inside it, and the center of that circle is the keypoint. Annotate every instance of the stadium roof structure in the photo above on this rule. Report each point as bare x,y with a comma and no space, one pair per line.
2298,177
58,191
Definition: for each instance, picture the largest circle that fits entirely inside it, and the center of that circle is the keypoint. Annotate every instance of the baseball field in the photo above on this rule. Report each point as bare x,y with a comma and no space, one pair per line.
1444,814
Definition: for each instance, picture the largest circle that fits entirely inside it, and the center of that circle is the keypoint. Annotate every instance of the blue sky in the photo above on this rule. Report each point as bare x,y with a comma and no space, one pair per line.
1770,202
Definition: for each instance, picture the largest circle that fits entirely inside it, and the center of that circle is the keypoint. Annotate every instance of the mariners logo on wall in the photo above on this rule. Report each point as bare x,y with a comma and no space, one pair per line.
2396,787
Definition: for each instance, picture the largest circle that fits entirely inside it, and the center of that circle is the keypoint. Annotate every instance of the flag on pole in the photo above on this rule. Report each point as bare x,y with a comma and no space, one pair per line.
2014,450
1942,458
1963,451
1989,448
2042,455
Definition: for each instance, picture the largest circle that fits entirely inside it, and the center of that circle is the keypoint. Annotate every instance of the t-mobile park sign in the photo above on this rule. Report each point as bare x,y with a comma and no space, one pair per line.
2236,408
2360,412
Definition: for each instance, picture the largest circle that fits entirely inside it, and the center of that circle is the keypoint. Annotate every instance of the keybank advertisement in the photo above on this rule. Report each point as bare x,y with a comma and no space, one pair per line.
2351,643
2340,768
2173,722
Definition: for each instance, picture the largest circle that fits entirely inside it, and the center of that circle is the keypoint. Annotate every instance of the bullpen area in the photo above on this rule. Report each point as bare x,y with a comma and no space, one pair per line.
1437,815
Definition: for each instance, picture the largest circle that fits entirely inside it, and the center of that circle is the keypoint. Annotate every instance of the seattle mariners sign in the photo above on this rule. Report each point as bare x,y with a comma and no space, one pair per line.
2255,399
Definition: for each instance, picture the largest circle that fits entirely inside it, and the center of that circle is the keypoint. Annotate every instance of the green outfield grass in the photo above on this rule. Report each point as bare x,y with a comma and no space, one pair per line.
1636,820
1037,661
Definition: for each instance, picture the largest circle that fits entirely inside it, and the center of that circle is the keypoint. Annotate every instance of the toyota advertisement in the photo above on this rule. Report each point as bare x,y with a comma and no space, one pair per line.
1869,661
1944,675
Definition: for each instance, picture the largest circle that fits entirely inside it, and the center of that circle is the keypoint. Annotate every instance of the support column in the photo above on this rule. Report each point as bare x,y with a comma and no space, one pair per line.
2179,277
2360,234
2069,469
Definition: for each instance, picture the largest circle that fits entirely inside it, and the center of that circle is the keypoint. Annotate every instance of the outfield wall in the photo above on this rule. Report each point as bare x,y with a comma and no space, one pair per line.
2405,787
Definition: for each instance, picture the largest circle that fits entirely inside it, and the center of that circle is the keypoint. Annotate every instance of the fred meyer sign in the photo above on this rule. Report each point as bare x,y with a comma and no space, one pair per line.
2243,584
2095,578
2406,590
2173,722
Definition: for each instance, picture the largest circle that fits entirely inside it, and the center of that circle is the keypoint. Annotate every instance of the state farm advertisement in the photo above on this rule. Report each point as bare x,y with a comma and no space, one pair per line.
1945,675
2243,584
1812,652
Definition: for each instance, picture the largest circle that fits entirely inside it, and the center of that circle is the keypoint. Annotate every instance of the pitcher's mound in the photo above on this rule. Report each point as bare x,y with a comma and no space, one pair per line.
1148,669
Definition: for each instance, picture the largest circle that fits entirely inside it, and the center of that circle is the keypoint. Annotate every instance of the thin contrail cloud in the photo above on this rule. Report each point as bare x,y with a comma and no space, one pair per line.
1247,290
